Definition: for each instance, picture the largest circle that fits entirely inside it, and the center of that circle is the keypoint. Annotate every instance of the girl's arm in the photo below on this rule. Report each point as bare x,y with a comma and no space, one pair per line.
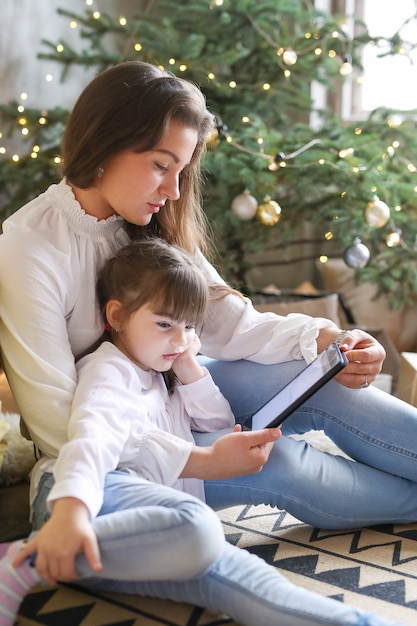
207,408
67,533
235,454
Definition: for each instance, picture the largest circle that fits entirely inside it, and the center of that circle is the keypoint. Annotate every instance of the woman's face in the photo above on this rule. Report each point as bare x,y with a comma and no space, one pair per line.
136,185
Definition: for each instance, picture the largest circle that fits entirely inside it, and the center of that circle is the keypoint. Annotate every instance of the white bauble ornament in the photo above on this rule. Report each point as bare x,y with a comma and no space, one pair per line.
377,213
244,206
269,212
358,255
289,57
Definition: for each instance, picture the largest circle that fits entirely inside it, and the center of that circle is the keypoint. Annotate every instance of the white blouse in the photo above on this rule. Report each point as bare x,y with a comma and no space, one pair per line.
123,417
51,252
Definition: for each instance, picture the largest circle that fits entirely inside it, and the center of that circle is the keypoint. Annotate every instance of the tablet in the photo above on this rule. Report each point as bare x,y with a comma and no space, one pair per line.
326,365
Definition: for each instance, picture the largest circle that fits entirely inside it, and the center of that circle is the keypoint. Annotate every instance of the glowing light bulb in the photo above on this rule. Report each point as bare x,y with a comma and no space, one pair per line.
393,239
346,152
289,57
346,67
394,121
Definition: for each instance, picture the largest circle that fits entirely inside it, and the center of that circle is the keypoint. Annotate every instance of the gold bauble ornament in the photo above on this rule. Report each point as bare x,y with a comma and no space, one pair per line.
244,206
213,138
377,213
269,212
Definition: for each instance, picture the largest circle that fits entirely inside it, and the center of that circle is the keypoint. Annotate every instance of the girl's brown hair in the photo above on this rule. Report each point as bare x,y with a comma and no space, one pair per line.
159,275
129,107
156,274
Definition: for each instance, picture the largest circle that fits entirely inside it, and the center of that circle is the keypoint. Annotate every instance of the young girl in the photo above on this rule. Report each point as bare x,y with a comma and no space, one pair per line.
131,153
140,394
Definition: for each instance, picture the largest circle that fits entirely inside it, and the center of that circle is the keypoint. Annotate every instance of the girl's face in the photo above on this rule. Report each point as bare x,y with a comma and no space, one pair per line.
136,185
153,341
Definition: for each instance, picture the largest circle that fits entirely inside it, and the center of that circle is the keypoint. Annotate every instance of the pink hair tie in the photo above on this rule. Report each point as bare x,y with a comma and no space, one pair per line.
107,326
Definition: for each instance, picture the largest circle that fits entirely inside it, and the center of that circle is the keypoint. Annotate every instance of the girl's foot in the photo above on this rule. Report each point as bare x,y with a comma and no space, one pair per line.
15,582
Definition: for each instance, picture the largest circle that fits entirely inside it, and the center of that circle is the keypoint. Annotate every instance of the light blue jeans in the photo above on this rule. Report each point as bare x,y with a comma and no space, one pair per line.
159,542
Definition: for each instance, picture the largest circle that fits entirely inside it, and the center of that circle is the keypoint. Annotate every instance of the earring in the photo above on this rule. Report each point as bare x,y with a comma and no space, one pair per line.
117,328
100,172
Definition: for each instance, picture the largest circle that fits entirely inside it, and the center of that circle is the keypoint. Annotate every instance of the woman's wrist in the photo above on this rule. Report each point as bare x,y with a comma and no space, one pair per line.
326,336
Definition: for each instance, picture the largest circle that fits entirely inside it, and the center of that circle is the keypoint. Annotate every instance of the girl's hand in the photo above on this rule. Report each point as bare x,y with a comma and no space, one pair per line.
186,367
235,454
67,533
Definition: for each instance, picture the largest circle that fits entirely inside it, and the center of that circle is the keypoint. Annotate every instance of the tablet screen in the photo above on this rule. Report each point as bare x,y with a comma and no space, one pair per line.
300,388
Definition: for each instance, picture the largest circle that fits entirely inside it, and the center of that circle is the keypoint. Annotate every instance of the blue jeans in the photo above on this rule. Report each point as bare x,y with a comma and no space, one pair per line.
158,542
376,429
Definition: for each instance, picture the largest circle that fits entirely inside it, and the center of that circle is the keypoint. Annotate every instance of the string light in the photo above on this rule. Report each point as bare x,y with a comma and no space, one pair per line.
393,239
346,152
275,162
346,67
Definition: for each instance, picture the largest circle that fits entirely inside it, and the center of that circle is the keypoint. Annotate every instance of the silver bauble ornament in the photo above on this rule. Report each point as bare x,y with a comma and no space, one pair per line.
377,213
244,206
269,212
358,255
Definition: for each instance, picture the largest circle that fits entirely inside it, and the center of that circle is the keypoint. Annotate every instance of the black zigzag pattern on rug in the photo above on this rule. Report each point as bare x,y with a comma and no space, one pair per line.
373,568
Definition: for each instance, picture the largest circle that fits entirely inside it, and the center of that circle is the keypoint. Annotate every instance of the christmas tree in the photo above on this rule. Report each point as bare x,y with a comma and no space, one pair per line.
268,170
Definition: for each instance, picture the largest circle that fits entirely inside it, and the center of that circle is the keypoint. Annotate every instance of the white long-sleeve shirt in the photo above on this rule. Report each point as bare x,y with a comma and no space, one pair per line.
122,416
50,253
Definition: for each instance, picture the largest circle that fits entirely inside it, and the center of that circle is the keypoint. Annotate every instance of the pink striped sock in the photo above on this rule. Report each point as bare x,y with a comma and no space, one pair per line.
15,582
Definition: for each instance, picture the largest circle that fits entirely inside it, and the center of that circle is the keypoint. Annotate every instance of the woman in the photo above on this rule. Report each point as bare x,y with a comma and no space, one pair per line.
132,152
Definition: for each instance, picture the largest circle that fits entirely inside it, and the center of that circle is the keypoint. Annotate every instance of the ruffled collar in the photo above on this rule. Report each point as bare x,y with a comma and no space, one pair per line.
65,201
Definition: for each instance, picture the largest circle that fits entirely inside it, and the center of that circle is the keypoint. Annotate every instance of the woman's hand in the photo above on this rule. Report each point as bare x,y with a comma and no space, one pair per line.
67,533
235,454
365,355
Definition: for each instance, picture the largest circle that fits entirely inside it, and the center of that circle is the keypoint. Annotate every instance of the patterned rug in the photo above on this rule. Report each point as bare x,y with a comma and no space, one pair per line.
375,569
